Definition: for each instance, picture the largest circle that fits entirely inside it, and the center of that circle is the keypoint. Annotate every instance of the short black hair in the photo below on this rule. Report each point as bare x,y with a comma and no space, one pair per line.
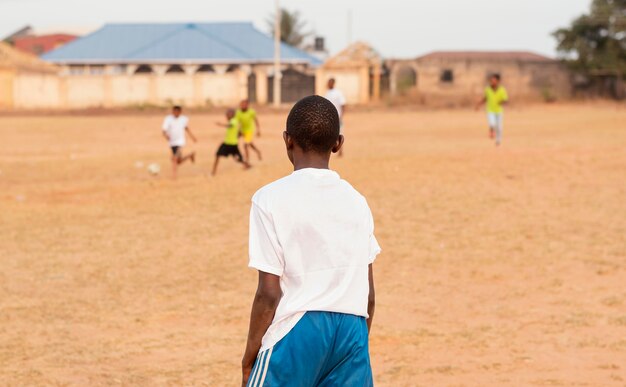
313,123
177,107
496,76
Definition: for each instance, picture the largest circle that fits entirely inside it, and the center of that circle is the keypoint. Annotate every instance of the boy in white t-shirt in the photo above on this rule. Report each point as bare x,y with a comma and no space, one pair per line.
335,96
312,242
174,127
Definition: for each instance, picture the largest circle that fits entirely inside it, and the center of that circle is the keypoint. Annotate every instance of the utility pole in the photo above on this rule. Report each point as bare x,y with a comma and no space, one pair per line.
277,73
349,27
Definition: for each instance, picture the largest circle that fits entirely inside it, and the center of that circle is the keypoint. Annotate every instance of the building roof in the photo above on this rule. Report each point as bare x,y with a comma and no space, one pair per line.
231,42
16,60
356,54
26,30
40,44
524,56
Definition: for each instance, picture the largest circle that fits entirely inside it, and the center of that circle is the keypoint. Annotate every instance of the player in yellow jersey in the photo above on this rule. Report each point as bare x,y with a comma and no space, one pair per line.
230,146
249,127
495,97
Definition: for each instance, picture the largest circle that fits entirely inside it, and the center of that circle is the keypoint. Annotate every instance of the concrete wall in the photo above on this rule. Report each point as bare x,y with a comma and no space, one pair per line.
50,91
34,90
523,80
7,77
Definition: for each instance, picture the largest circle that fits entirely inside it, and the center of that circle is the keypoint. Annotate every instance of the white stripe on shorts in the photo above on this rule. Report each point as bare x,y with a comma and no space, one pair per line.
267,364
254,376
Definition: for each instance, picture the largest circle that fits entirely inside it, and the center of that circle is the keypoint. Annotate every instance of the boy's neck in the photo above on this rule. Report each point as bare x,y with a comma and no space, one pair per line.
302,160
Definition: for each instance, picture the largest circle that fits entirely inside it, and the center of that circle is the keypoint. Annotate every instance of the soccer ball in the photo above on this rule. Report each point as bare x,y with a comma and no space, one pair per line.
154,169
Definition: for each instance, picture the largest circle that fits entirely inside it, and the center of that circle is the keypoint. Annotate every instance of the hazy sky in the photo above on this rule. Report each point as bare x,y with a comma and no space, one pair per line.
396,28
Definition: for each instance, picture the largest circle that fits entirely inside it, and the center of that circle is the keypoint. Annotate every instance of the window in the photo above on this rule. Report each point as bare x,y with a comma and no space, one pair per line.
206,68
143,69
118,69
77,70
232,68
174,69
447,76
96,69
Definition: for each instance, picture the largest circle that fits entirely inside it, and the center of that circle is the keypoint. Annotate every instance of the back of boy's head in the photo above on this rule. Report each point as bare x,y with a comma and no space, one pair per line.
313,124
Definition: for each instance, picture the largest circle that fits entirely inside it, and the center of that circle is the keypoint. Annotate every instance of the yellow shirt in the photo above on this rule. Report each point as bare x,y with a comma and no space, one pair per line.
247,119
232,132
495,99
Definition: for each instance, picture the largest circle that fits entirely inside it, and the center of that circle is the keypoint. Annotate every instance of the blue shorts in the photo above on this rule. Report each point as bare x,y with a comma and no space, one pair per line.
323,349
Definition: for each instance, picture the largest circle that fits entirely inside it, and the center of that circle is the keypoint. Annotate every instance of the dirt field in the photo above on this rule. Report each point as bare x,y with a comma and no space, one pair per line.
500,267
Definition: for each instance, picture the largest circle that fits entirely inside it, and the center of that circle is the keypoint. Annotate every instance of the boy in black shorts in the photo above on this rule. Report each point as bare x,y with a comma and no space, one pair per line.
174,128
230,146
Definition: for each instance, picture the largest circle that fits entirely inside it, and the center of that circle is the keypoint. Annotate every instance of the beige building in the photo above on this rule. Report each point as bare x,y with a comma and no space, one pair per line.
193,64
453,77
16,69
357,70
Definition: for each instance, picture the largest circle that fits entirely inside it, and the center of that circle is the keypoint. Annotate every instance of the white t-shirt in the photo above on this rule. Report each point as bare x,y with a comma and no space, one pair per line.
175,129
316,232
336,97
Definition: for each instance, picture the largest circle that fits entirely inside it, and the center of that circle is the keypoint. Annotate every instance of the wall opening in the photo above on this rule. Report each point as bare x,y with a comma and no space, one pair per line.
144,69
96,69
406,79
447,76
205,68
175,69
294,86
252,87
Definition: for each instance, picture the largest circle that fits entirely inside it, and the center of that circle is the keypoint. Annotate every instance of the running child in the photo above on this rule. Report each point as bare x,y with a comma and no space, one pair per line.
249,127
495,97
174,127
312,242
230,146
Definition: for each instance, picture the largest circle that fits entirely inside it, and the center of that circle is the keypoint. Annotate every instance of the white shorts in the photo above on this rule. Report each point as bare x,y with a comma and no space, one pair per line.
495,120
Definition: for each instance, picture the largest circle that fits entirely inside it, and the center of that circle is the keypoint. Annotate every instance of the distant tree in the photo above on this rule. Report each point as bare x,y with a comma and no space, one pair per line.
596,42
291,27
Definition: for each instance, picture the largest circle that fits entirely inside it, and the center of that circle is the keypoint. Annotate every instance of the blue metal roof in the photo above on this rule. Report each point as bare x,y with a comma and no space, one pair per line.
176,43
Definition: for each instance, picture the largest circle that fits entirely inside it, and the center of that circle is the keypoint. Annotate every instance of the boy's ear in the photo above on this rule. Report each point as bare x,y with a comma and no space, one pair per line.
338,144
288,140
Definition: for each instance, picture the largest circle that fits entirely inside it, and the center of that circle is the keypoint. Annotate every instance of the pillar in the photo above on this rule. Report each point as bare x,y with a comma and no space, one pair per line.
393,82
364,83
261,85
220,69
376,80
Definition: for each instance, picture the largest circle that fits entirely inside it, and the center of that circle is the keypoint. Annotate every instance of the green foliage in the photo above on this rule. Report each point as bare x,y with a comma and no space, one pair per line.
596,42
291,27
548,95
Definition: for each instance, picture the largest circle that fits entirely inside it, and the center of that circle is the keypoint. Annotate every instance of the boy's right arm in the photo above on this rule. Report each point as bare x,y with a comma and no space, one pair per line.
266,299
480,102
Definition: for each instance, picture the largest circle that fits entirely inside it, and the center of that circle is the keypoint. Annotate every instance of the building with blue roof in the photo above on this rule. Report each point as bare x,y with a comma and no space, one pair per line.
177,43
189,63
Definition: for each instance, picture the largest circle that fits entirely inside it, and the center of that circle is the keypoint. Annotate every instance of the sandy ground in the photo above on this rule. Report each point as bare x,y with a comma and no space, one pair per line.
501,267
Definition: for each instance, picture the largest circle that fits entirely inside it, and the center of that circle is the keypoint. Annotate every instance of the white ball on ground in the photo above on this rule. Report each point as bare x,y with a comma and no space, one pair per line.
154,169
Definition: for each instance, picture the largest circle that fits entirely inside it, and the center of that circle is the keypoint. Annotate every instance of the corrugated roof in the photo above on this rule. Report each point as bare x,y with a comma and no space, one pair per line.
176,43
525,56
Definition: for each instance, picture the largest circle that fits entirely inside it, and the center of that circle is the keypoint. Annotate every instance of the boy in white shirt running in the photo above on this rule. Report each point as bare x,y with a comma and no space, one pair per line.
312,242
174,128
